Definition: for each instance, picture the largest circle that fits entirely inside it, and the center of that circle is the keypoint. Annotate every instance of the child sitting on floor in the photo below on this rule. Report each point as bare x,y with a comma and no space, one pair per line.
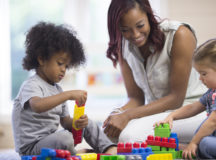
40,105
204,140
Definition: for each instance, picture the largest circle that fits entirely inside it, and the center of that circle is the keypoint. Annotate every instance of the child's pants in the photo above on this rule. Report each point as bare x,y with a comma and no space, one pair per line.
207,146
64,140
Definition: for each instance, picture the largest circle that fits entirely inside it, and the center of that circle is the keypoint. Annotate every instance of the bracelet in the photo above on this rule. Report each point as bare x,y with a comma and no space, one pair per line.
116,110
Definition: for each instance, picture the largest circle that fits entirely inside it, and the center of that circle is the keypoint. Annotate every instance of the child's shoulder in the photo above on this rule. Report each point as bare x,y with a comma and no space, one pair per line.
30,82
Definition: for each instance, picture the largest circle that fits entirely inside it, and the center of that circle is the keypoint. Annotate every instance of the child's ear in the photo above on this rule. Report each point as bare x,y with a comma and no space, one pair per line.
40,60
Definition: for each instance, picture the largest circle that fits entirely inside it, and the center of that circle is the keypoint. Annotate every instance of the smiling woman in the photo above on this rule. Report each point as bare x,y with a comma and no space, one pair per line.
155,57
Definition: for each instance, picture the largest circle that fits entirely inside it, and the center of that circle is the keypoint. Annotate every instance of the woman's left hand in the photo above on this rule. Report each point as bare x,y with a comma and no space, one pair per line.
115,123
190,151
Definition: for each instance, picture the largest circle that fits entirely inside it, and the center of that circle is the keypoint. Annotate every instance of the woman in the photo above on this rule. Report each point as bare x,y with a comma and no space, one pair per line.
156,63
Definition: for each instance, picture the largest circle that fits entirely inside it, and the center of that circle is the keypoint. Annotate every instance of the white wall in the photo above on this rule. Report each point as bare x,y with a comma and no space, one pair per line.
5,67
201,14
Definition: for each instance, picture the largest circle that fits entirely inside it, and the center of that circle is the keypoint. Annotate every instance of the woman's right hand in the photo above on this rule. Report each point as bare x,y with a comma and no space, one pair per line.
168,119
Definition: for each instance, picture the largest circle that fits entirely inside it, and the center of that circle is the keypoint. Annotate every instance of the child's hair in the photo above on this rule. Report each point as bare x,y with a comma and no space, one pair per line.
206,51
45,39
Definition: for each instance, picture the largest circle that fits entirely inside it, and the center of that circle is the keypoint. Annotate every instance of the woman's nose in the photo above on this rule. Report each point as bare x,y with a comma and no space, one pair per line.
135,33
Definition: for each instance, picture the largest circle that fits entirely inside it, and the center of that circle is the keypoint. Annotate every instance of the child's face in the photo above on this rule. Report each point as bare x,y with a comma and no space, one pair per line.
53,70
207,75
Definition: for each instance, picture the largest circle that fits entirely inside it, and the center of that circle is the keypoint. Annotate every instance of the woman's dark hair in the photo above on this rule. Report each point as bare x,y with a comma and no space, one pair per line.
116,10
46,39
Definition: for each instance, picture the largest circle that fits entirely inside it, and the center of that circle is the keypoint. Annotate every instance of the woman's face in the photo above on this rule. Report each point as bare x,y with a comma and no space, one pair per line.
134,26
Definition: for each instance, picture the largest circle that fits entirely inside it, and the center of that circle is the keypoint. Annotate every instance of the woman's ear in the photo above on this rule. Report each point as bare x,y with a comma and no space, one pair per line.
40,60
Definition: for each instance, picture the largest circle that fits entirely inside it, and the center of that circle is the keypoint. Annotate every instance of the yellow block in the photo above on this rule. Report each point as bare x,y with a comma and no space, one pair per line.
88,156
162,156
78,112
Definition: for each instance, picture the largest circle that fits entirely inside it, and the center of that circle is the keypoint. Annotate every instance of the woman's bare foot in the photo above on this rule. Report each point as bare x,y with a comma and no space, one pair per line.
111,150
182,146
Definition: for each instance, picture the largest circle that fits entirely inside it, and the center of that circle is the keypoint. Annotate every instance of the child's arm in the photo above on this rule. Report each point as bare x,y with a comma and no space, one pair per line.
183,112
207,128
40,105
66,122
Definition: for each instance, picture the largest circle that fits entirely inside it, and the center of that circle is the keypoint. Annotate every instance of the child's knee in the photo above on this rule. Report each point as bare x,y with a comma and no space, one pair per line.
66,142
206,146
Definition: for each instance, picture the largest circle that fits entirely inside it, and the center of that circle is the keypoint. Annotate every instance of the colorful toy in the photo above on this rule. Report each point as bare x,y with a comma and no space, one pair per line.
77,133
52,154
138,149
167,156
164,141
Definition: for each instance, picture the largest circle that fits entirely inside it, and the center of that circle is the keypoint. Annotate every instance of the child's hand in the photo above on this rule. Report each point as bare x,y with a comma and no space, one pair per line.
168,120
79,95
190,151
82,122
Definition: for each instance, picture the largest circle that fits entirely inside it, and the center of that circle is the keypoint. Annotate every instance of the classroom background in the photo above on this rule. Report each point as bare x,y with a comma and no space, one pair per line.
103,83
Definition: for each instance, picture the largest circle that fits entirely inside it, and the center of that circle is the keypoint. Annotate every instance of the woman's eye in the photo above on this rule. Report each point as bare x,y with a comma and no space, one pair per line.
123,30
59,63
140,26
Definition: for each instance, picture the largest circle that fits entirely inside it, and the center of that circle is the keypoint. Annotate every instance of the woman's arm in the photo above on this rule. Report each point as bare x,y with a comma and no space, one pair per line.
182,50
134,93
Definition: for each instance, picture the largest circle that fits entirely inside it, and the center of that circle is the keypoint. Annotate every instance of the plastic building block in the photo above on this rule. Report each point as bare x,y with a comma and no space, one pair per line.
144,152
175,136
133,157
88,156
112,157
163,130
164,142
51,154
167,156
124,148
77,133
100,154
48,152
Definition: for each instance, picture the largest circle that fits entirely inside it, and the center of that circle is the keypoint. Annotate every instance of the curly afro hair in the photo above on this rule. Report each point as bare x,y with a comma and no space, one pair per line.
46,39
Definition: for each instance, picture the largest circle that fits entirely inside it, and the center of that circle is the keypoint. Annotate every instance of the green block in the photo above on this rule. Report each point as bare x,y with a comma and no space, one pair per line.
112,157
154,148
163,130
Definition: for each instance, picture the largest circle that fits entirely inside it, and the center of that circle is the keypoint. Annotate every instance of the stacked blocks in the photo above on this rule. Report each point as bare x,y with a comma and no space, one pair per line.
135,149
77,133
164,141
52,154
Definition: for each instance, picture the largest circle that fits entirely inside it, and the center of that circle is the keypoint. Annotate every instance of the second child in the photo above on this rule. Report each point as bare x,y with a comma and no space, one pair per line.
203,143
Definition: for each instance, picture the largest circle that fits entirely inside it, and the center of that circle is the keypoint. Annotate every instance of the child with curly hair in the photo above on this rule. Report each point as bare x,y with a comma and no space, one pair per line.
203,143
40,106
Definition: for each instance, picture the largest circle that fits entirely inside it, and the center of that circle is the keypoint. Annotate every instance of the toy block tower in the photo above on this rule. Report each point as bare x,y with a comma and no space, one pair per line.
163,130
164,142
77,133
